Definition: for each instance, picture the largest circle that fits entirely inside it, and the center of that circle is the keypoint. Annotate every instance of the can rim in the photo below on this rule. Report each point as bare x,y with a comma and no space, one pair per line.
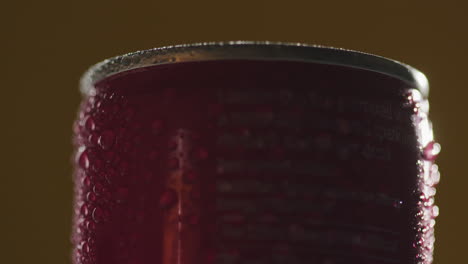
253,50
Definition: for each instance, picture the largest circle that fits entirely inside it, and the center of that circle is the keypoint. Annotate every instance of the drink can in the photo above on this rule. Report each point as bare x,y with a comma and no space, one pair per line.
253,153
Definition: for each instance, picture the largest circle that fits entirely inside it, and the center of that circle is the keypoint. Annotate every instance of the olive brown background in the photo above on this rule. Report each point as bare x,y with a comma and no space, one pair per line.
46,45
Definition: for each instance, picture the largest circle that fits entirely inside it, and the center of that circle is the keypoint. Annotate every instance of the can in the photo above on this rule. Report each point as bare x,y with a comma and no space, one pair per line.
253,153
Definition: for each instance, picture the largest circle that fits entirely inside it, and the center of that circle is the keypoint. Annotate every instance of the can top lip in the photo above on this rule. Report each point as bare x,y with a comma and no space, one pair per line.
252,50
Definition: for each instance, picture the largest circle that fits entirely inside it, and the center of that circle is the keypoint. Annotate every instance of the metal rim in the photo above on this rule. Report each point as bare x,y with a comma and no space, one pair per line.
253,51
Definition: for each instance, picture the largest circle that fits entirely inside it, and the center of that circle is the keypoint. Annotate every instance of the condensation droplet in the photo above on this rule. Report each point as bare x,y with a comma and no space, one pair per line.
168,199
93,139
86,181
429,202
91,197
99,215
92,244
106,140
84,247
90,124
435,174
416,111
90,225
431,150
98,188
84,210
76,127
429,191
424,106
83,159
414,96
435,211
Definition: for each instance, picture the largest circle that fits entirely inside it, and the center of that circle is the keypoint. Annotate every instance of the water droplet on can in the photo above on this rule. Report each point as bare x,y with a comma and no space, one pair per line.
91,197
435,211
86,181
106,140
93,139
76,127
99,215
83,159
431,150
84,210
414,96
98,188
90,124
84,247
435,174
90,225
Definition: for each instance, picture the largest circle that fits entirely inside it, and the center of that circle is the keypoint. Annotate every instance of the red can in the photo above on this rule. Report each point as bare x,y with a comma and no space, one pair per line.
253,153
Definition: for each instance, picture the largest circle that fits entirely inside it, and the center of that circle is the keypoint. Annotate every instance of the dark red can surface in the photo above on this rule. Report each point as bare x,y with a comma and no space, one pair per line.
254,154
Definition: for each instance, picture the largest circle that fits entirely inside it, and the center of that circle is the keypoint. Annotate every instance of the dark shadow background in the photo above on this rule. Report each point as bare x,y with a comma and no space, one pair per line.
46,45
